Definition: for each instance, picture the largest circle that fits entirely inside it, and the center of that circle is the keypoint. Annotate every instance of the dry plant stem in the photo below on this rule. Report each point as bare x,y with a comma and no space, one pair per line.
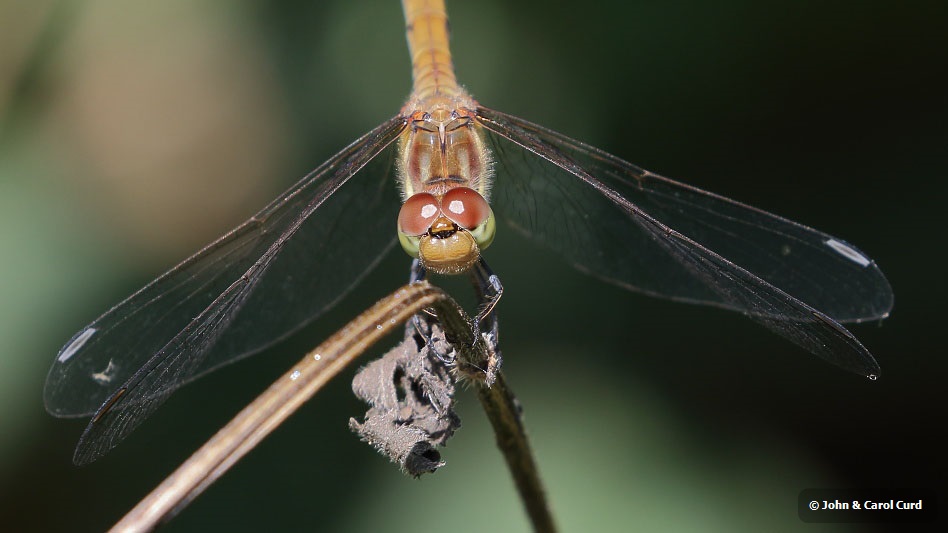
503,411
308,376
272,407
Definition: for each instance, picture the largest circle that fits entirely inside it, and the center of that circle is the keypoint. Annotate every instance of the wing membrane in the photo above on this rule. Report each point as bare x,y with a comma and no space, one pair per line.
245,291
657,236
825,272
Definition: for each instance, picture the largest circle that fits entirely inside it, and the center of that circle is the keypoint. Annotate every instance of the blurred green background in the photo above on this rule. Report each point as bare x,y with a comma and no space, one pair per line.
131,133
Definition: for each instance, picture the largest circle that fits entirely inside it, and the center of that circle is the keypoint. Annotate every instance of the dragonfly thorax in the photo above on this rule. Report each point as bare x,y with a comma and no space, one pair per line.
443,148
444,171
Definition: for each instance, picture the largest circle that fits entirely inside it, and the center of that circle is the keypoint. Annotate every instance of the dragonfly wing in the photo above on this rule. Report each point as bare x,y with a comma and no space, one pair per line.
599,235
255,285
601,230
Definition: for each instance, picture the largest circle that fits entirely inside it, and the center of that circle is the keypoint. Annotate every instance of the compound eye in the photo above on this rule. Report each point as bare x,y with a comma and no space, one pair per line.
465,207
417,214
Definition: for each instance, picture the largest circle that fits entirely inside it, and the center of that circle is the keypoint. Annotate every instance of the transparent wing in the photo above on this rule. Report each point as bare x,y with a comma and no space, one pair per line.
250,288
651,234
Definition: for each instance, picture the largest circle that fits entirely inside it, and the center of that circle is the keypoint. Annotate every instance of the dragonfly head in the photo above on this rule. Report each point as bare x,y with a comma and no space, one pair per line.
448,233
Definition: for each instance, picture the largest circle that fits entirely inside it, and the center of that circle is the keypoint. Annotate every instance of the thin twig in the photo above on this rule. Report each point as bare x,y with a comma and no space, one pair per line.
272,407
308,376
502,409
478,361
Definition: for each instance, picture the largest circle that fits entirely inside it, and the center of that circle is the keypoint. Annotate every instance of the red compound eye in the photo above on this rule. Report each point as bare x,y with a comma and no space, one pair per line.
417,214
465,207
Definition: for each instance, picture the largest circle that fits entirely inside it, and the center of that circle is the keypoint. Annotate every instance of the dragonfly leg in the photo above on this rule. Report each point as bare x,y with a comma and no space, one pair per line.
422,324
489,290
417,272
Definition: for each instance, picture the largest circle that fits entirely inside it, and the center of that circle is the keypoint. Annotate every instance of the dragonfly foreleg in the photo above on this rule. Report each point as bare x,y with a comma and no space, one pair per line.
422,324
489,290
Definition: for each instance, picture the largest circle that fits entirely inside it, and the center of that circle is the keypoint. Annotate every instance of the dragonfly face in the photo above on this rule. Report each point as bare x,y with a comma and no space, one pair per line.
445,174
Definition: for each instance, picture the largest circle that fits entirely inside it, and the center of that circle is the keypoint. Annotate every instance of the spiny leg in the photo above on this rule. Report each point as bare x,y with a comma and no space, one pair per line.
420,324
489,290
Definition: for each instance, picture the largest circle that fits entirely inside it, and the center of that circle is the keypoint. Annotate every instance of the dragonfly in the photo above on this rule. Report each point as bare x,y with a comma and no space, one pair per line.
460,167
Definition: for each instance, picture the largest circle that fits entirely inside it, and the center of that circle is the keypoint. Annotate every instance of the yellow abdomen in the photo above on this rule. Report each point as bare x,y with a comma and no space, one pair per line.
426,24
